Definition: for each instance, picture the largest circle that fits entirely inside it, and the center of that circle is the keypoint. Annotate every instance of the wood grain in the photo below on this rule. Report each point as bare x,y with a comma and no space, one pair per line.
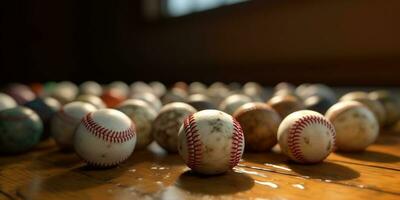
47,173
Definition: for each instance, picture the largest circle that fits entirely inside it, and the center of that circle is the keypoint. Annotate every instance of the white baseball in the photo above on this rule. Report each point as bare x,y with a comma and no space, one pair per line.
306,136
105,138
65,92
6,102
356,126
143,115
66,120
91,88
211,142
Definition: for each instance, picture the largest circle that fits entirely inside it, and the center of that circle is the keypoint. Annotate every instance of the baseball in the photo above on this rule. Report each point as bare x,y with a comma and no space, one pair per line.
167,124
45,107
218,91
66,120
374,105
306,136
65,92
112,97
285,104
255,91
197,88
20,129
105,138
211,142
158,88
20,93
391,104
6,102
121,86
318,103
149,98
233,102
260,125
356,126
174,95
90,88
143,115
140,87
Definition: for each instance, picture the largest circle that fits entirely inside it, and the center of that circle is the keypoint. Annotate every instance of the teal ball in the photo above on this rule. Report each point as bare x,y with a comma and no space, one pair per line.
20,129
45,107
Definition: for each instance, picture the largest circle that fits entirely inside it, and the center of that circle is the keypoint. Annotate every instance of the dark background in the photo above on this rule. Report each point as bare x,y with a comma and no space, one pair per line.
343,42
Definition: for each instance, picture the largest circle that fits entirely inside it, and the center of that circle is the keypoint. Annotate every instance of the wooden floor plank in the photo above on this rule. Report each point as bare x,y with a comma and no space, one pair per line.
47,173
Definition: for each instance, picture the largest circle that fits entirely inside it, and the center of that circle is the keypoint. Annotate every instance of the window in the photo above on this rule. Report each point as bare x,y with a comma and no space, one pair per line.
177,8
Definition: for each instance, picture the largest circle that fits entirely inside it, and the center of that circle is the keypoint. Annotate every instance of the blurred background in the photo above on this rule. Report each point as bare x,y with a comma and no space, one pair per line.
343,42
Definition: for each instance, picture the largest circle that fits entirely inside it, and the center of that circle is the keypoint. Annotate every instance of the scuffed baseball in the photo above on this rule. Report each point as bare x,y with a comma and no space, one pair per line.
105,138
143,115
391,104
356,126
285,104
306,136
211,142
66,120
374,105
150,98
167,124
260,125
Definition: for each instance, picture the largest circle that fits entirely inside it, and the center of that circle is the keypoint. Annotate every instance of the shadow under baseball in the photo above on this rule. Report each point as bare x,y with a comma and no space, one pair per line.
325,171
227,183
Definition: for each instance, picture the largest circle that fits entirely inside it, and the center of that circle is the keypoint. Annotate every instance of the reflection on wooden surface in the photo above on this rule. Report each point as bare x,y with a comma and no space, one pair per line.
47,173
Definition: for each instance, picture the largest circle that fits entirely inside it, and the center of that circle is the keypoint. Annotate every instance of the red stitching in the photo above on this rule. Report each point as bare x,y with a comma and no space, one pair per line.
237,144
193,142
101,165
97,164
296,131
107,134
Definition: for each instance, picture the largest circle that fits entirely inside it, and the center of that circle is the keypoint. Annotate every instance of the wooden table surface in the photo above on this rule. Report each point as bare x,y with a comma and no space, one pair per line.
46,173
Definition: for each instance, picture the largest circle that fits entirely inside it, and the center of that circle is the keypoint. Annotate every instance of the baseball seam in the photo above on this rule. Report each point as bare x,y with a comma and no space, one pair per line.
237,144
193,141
296,130
102,165
108,134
